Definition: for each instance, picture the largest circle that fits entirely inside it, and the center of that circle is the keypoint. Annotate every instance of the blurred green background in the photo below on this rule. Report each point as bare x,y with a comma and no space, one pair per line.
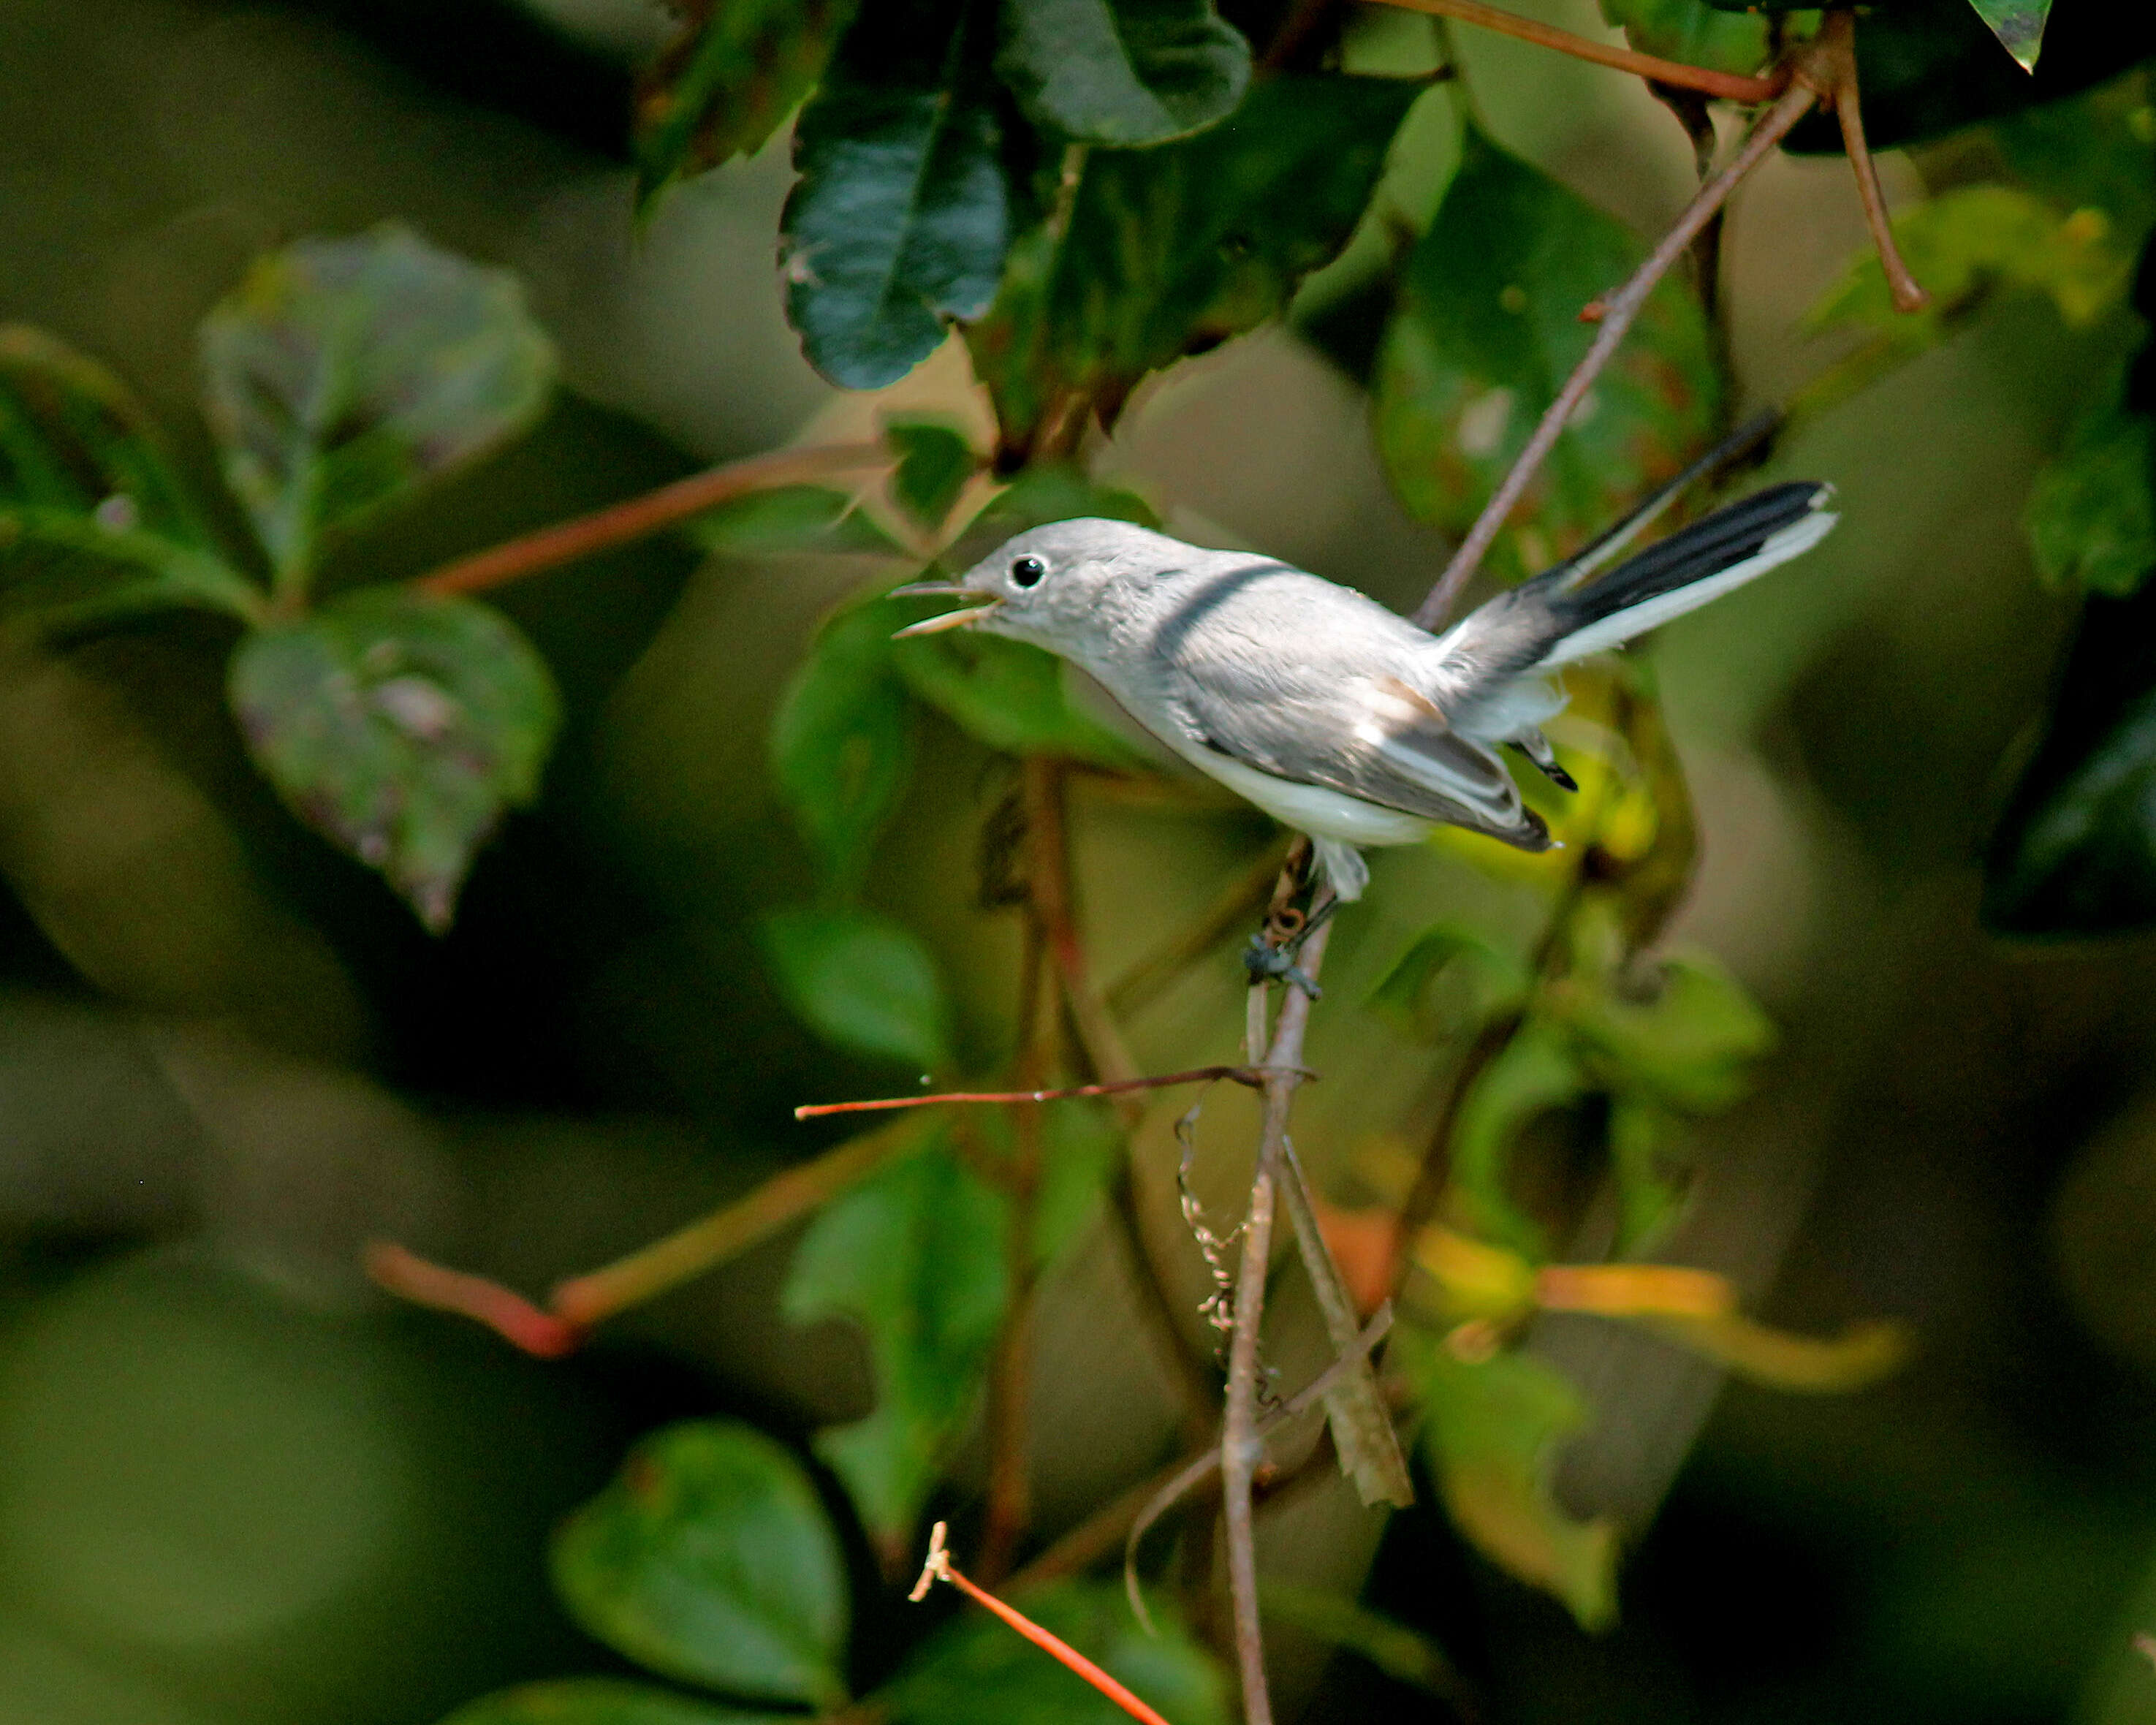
236,1485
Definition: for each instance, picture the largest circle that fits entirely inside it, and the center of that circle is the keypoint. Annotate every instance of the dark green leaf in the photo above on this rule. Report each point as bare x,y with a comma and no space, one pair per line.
400,727
2095,151
92,516
934,463
975,1671
603,1700
710,1559
842,742
728,81
2091,519
1693,33
794,519
1491,1428
1487,332
916,1256
2019,25
2075,853
1124,72
1172,251
903,214
1489,980
1929,67
859,981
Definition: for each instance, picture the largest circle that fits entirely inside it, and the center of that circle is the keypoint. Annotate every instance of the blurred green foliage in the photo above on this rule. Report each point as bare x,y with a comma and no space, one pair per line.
769,843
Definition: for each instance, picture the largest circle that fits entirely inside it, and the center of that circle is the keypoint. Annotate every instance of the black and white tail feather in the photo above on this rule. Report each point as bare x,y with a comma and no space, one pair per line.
1489,675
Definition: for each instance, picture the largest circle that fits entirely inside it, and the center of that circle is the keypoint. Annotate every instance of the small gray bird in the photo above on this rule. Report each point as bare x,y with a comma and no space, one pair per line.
1333,714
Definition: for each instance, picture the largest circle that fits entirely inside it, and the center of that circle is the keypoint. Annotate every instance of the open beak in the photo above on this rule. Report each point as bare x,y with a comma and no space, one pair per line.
949,619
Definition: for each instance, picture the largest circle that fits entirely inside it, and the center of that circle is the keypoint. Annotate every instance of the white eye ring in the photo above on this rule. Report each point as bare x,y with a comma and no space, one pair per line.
1027,572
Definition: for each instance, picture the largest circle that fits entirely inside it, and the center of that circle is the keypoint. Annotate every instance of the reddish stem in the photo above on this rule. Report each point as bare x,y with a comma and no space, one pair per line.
505,1311
940,1568
619,523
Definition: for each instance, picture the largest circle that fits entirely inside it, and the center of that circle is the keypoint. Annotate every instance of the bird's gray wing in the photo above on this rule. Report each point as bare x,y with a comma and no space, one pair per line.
1309,682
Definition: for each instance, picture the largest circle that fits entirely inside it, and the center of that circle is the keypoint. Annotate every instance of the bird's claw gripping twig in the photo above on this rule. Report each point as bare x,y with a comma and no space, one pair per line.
1265,962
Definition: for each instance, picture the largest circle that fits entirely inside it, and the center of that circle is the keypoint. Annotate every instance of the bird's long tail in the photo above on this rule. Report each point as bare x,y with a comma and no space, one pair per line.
1689,568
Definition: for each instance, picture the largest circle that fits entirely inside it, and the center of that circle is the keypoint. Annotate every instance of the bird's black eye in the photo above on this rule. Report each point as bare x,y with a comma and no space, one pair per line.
1027,572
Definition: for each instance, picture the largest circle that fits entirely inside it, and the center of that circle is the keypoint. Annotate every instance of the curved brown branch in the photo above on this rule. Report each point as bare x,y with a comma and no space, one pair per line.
1730,86
639,517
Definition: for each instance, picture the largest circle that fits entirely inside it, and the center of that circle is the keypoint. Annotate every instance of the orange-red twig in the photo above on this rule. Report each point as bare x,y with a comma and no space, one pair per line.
939,1567
619,523
1254,1076
505,1311
1731,86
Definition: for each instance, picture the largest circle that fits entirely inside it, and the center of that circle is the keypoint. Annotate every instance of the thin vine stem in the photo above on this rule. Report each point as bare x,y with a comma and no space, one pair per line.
639,517
1729,87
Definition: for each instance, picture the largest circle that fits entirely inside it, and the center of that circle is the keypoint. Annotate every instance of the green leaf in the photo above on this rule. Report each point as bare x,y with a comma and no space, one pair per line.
727,81
1487,331
1650,1192
842,742
916,1256
2019,25
861,983
1010,695
975,1671
1688,1041
903,214
934,463
2075,853
1492,980
2091,516
1694,34
603,1700
813,519
1172,251
1536,1072
1123,72
710,1559
92,515
1082,1146
400,727
1969,241
1492,1431
344,373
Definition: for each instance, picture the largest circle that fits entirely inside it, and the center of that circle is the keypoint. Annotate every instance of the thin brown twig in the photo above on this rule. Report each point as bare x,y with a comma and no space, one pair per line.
1619,309
637,517
1240,1448
1730,86
1837,41
1253,1077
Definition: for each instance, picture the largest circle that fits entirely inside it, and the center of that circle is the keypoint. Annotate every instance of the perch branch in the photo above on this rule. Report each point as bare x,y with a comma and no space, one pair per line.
1731,86
1837,42
1241,1447
639,517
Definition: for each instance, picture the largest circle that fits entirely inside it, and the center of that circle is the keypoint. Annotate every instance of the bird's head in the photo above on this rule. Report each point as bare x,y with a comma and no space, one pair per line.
1053,586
